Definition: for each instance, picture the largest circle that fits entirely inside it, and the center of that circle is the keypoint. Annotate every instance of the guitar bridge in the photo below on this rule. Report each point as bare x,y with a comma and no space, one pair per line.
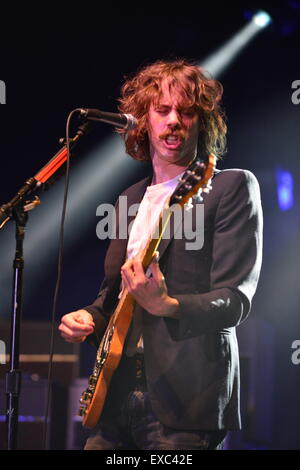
84,401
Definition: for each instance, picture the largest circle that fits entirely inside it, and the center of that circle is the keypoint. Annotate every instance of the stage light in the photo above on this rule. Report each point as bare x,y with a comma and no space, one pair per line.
285,189
221,59
262,19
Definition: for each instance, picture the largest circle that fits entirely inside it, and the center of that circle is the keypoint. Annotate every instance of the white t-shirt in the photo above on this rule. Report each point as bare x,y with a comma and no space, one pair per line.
145,223
150,208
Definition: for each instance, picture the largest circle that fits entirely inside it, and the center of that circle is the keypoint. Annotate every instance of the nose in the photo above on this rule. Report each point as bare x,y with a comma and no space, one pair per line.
174,119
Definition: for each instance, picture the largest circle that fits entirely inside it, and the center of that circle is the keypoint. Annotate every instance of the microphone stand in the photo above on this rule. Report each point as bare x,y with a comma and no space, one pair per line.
17,209
13,376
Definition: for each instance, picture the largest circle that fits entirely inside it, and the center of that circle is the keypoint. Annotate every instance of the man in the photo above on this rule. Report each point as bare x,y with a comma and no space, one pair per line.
177,386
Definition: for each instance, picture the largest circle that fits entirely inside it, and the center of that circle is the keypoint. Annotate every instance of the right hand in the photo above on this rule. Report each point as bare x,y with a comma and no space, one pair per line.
76,326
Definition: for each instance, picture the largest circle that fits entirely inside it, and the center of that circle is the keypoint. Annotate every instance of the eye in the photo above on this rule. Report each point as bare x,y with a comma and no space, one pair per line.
189,112
162,110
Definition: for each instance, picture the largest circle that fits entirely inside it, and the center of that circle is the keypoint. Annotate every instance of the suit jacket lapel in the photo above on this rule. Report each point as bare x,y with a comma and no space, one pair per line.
176,224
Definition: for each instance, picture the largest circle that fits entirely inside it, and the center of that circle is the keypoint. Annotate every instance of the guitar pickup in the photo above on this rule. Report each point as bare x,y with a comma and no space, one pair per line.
85,397
82,410
93,381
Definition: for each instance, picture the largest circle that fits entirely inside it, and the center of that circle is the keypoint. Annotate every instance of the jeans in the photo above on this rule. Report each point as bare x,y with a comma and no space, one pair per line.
136,427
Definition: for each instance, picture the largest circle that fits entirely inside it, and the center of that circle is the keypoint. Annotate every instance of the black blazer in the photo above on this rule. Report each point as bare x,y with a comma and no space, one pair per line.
192,363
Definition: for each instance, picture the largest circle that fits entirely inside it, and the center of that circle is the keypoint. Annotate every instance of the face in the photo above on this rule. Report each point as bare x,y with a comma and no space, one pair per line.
173,129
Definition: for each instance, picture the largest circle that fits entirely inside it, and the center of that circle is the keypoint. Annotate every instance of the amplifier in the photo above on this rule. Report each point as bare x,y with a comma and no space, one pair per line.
34,352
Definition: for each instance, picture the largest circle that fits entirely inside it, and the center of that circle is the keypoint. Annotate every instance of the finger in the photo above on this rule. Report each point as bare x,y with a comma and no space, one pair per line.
83,317
127,280
127,266
69,339
85,321
74,328
67,333
156,272
139,270
84,330
77,322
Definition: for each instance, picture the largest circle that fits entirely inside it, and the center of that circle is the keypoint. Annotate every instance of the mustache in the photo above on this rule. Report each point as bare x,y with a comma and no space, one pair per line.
178,133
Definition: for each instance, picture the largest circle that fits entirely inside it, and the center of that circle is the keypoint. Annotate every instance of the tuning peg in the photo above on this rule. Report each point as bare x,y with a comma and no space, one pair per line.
197,197
207,188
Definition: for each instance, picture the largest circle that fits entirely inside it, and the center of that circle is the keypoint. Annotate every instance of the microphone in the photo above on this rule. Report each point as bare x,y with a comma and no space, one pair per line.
124,121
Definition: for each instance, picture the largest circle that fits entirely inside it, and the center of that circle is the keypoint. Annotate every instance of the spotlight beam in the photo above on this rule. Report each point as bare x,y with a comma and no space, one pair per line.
217,63
93,182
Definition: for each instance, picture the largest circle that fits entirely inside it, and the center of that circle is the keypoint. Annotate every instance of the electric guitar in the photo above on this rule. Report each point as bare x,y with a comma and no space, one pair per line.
195,179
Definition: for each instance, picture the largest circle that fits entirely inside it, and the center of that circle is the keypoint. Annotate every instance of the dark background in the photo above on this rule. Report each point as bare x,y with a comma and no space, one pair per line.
52,64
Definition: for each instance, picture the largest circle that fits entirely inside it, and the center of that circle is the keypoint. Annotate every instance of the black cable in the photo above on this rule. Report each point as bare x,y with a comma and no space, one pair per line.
58,280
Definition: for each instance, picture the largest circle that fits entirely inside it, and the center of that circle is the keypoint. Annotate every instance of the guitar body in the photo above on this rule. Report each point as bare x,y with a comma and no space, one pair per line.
106,363
111,347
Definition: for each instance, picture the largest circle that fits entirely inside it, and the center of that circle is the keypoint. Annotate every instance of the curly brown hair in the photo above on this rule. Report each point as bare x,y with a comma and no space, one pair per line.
196,89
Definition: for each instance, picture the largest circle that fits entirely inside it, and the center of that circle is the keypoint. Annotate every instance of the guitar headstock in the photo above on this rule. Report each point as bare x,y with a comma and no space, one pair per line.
196,177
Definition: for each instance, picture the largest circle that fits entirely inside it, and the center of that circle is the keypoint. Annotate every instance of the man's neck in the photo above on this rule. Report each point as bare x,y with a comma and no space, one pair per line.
166,172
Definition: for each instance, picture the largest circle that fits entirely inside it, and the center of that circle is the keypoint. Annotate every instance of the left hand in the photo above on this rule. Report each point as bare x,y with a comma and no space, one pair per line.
150,293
